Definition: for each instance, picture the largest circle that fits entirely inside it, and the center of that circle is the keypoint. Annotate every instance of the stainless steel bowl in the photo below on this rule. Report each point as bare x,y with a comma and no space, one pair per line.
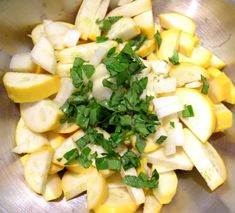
216,27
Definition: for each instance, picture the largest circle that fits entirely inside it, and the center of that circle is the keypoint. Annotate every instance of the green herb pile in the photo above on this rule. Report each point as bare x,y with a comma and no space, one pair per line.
125,116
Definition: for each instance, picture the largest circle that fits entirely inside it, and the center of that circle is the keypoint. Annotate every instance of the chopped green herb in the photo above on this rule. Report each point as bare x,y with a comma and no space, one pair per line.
130,160
71,155
140,144
59,159
205,85
88,69
188,111
158,38
161,139
106,24
142,181
104,163
85,158
118,40
101,39
174,59
172,124
137,42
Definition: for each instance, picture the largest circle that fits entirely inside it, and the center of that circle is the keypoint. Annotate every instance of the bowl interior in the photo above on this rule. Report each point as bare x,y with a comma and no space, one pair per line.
216,28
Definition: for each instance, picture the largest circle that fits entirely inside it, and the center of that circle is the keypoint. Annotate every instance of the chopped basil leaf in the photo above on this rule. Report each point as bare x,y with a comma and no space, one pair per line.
101,39
137,42
188,111
88,70
172,124
59,159
174,59
205,85
142,181
106,24
161,139
71,155
118,40
130,160
104,163
140,144
158,38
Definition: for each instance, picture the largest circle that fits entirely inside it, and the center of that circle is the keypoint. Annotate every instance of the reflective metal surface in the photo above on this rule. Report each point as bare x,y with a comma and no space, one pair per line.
216,27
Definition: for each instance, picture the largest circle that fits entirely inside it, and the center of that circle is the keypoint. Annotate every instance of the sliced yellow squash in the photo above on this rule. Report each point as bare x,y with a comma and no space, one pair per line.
167,186
206,160
46,115
224,118
30,87
202,124
177,21
53,189
118,200
36,169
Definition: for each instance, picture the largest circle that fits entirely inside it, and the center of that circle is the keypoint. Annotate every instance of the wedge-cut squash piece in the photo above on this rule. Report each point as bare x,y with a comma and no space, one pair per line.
46,115
86,17
200,56
147,48
100,14
73,184
177,21
55,139
71,38
194,85
202,124
186,44
128,32
55,168
43,55
66,128
167,186
65,91
217,62
39,32
56,32
118,200
84,51
231,98
77,168
179,160
152,205
132,9
63,70
66,146
53,189
206,160
28,141
115,181
97,190
219,88
168,37
151,57
145,22
213,72
30,87
137,194
36,169
22,62
224,118
187,73
159,66
98,90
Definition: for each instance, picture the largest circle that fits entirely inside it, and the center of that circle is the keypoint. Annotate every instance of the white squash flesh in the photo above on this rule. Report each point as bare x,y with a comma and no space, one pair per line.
41,116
